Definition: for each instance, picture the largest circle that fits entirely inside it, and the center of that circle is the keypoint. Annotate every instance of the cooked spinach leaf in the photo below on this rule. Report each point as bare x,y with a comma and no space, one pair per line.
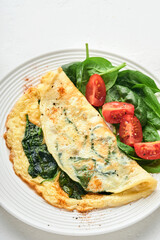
129,78
150,133
41,161
72,188
84,171
105,193
124,94
51,179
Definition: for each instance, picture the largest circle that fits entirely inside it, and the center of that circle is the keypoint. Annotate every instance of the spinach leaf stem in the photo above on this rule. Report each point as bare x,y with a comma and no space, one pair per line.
87,51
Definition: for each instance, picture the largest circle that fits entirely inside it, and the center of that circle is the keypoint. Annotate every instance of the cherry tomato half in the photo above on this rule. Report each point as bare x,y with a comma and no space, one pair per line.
130,130
148,150
96,90
114,111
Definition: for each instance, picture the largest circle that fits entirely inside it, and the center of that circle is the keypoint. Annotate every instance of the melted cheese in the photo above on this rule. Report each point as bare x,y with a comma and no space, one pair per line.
81,142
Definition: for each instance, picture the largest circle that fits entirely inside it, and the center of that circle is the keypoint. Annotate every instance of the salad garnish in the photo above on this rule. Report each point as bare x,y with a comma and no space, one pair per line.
126,99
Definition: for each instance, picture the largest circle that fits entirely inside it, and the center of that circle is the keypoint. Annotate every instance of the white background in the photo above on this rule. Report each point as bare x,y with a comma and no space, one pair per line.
33,27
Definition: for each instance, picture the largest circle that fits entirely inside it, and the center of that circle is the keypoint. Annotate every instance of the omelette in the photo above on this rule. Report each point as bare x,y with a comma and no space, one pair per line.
80,142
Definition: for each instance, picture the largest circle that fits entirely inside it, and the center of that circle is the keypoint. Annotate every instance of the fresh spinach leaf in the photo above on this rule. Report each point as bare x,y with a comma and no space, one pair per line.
124,94
153,118
125,148
144,87
99,109
80,72
151,166
72,188
70,70
129,151
41,161
148,97
150,133
136,158
97,65
129,78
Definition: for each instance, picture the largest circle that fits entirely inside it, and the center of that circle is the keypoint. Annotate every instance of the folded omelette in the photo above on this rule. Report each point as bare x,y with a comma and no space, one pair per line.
80,142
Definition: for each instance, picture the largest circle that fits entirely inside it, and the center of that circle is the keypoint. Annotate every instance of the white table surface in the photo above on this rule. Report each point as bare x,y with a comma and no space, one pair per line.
33,27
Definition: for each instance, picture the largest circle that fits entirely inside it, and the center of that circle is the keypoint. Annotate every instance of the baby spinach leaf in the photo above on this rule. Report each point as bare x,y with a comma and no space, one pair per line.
97,65
80,72
72,188
136,158
144,87
41,161
148,97
150,133
99,109
153,118
125,148
70,70
124,94
129,78
129,151
151,166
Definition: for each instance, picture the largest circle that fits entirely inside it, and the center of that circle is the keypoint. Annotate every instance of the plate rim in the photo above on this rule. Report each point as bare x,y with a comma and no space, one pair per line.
74,50
89,232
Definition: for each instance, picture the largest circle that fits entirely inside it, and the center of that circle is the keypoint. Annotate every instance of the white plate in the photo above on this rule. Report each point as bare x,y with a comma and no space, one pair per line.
21,201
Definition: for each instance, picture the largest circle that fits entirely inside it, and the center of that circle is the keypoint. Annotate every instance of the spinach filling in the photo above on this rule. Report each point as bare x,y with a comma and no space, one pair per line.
72,188
43,164
41,161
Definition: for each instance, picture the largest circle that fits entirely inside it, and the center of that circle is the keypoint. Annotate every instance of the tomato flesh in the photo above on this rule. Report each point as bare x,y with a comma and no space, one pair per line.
130,130
114,111
148,150
96,90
